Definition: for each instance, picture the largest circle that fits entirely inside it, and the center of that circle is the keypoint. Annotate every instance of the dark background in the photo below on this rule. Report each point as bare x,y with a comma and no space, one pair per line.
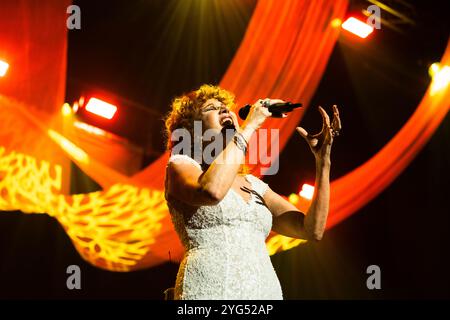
147,52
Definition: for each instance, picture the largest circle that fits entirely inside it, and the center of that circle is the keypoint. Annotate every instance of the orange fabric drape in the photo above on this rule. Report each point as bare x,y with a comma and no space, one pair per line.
357,188
33,40
127,226
283,54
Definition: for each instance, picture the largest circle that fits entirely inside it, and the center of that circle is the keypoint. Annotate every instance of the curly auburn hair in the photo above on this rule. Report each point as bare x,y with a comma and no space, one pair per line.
186,108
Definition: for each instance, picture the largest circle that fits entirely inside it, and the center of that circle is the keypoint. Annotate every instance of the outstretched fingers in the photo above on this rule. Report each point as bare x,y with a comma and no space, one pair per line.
325,118
336,123
302,132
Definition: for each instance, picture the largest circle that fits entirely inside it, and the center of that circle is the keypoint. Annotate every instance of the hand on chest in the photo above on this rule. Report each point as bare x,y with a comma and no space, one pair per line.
242,187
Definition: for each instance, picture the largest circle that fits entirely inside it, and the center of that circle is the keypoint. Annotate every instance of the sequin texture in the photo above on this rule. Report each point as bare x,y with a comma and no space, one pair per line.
225,252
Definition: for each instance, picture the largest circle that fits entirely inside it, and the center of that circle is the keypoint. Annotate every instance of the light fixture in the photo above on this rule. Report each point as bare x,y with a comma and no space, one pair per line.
441,77
4,66
357,27
307,191
101,108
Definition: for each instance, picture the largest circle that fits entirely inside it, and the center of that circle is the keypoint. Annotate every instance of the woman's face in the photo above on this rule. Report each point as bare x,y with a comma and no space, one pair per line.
217,116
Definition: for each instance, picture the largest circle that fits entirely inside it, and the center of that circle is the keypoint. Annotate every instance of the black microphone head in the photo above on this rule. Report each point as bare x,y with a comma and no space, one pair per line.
244,111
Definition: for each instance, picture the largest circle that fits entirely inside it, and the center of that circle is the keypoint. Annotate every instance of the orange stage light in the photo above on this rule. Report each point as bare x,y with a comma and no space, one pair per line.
3,68
293,198
75,107
66,110
307,191
335,23
441,77
101,108
357,27
89,129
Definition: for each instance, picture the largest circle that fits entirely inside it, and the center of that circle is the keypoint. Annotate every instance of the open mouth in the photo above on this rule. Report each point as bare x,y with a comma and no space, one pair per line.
227,123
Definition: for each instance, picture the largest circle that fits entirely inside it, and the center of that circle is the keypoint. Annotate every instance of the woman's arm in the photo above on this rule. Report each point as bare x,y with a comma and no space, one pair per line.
189,184
287,219
290,222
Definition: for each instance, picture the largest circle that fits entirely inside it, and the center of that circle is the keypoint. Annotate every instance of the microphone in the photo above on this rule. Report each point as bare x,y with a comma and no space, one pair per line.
277,109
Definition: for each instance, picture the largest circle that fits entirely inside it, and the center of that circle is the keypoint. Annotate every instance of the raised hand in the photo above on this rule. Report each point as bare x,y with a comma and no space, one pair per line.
321,142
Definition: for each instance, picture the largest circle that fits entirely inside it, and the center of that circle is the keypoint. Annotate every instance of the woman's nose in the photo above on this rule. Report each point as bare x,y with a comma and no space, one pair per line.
224,109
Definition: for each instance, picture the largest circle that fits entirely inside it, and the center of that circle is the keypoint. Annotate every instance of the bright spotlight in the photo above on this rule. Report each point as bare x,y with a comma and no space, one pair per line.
293,198
336,23
307,191
441,79
434,68
357,27
66,110
3,68
101,108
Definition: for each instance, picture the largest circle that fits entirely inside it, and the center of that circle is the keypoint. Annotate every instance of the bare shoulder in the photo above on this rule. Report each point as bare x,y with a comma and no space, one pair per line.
182,167
183,177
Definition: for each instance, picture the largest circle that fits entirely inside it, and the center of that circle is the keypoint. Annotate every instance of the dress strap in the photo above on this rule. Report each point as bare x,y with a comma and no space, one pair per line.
257,184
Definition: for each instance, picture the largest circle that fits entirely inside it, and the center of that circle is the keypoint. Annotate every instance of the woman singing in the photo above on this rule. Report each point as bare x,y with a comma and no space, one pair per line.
224,216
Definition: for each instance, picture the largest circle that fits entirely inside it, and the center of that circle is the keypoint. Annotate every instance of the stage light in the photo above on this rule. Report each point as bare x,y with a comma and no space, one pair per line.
89,129
74,151
66,110
75,107
434,68
101,108
81,101
357,27
3,68
336,23
293,198
307,191
441,78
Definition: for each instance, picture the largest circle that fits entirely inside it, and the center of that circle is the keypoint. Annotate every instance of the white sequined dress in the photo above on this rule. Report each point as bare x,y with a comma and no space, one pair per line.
225,251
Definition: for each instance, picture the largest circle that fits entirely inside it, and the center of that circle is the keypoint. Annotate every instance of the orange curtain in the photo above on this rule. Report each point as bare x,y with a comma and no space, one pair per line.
357,188
283,54
127,226
33,40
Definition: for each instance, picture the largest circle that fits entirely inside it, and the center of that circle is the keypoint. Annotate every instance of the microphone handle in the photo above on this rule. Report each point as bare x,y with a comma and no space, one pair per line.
277,109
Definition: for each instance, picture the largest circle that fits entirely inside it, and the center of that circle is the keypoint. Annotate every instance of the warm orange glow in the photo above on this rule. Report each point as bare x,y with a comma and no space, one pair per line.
89,129
441,79
81,101
77,153
357,27
293,198
3,68
112,229
127,225
66,110
101,108
307,191
434,68
281,243
335,23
